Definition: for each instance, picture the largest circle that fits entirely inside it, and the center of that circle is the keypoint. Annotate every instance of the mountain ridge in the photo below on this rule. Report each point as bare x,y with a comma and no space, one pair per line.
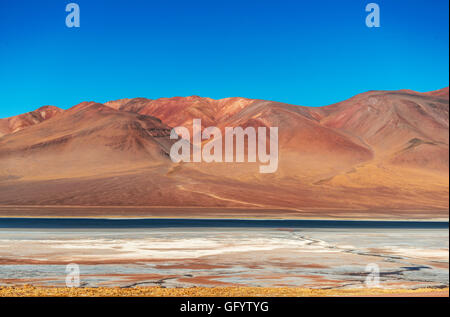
377,151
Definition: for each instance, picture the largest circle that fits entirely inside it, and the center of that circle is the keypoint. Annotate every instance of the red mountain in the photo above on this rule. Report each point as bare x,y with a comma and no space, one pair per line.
17,123
378,154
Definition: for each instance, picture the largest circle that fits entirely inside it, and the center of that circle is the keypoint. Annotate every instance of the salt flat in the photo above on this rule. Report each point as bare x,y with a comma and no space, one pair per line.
256,257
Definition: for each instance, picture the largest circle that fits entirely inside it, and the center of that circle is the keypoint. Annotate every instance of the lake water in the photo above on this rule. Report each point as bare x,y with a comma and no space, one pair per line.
210,252
211,223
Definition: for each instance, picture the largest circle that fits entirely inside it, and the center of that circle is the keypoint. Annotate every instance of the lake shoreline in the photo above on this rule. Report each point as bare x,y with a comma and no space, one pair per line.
193,212
144,223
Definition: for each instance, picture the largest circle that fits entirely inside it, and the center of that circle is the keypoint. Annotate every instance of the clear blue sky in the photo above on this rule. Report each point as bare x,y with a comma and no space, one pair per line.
308,53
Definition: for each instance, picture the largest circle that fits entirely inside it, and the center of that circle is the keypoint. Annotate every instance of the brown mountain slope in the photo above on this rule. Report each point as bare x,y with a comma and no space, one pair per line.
388,120
232,112
378,153
179,111
85,139
442,93
404,126
17,123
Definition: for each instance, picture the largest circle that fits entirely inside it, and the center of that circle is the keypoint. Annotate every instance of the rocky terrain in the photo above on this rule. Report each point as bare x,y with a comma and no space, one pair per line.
380,152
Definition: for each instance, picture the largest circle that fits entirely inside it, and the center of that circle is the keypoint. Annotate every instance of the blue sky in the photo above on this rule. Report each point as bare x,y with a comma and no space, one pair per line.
310,53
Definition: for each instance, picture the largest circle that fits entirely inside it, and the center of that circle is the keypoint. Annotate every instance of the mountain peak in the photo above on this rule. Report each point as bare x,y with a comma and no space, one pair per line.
22,121
85,105
442,93
366,152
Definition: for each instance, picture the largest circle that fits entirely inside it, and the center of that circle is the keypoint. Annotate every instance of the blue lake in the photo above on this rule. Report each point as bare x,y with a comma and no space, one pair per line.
211,223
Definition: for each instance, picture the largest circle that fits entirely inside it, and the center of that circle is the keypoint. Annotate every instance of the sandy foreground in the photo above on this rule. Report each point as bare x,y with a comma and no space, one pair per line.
31,291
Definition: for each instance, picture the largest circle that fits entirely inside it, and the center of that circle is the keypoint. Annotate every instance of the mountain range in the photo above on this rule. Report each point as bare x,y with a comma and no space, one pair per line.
379,154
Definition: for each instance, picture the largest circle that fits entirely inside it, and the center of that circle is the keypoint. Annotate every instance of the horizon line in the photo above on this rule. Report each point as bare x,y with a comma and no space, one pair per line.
198,96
